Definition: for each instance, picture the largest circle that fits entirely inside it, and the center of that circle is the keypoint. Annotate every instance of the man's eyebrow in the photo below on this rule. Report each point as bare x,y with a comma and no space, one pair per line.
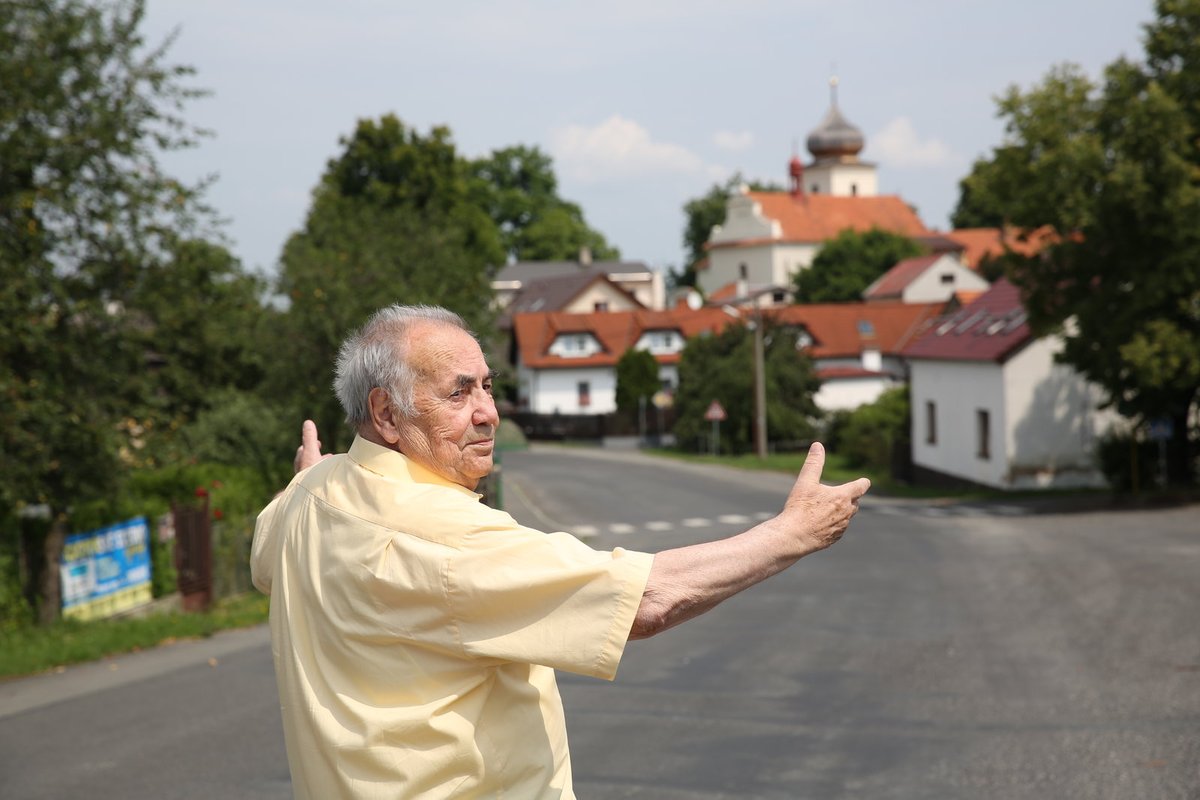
464,381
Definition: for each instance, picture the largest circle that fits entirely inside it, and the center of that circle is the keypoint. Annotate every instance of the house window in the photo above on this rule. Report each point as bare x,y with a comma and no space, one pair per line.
930,422
601,305
854,190
815,189
947,277
743,271
585,394
983,434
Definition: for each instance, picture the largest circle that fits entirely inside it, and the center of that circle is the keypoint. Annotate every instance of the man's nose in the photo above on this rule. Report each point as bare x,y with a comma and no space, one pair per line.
485,411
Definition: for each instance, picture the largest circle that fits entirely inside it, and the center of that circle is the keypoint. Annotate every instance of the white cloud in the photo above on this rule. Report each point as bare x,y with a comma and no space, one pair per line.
618,148
898,145
733,140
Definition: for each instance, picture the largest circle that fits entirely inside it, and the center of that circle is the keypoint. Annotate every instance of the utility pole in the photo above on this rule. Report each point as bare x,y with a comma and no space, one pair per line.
760,387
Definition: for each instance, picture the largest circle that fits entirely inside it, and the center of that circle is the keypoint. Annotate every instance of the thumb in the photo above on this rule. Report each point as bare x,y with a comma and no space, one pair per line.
814,463
308,436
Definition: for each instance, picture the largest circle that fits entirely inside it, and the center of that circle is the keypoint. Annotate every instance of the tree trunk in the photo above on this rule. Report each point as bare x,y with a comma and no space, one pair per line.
1179,455
49,585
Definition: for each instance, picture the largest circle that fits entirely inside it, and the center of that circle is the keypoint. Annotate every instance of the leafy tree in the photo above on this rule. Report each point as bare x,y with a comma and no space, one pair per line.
1113,169
720,367
199,315
870,431
637,376
702,214
850,262
84,113
393,220
516,186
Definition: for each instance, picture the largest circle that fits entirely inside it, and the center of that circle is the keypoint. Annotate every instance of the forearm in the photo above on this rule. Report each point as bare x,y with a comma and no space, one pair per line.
688,581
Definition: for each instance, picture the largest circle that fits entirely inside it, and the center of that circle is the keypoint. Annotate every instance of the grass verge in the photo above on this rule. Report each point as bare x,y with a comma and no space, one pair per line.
28,650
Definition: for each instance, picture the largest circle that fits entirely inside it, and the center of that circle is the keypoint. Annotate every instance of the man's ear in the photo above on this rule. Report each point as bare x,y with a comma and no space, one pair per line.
383,416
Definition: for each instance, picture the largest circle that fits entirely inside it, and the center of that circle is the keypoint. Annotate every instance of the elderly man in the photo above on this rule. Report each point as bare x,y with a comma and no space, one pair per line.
416,631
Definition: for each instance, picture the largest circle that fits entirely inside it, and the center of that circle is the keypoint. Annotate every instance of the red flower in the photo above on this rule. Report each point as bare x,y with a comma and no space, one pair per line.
218,513
201,491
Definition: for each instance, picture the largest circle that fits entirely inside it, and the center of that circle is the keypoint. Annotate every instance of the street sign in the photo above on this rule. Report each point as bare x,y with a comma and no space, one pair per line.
715,412
662,399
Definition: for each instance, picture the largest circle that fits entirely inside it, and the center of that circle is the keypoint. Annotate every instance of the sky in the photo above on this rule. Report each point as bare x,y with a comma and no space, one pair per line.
642,105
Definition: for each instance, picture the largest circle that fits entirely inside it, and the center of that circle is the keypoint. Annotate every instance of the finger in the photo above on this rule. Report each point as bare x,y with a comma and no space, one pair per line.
814,463
308,436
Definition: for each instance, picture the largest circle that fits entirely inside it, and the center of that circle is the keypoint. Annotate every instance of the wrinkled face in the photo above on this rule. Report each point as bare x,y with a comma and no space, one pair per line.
453,433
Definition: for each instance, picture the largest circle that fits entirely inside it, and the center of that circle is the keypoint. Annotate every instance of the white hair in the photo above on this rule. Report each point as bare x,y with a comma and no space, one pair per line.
376,355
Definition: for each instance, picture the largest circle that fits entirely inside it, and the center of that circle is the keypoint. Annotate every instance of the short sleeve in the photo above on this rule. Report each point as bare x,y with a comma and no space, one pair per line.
522,595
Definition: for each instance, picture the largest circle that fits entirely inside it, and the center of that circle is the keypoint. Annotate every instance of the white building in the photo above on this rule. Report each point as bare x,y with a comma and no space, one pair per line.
926,279
767,237
566,363
991,406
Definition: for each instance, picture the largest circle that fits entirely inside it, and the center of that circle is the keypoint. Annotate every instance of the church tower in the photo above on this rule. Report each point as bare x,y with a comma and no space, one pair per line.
836,169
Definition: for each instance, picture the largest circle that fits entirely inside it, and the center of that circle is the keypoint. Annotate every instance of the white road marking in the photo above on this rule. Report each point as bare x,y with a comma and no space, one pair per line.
761,515
733,519
659,525
621,527
583,531
696,522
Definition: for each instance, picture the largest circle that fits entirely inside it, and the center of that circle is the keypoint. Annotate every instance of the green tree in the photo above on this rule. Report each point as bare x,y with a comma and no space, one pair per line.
850,262
702,213
871,431
1115,170
393,220
720,367
637,376
85,111
517,188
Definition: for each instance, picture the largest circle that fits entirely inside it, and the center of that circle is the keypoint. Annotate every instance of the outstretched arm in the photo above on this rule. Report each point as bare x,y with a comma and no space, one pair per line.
687,581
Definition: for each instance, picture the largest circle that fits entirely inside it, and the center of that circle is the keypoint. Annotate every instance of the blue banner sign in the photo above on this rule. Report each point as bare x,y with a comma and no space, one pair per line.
107,571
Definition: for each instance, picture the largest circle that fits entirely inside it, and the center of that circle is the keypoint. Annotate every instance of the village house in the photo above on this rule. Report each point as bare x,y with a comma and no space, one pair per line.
991,406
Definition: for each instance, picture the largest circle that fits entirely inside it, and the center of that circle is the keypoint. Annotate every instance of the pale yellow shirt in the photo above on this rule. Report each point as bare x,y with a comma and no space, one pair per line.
416,632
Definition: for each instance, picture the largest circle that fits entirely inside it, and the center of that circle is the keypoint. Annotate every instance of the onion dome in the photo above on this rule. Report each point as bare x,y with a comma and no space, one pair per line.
835,137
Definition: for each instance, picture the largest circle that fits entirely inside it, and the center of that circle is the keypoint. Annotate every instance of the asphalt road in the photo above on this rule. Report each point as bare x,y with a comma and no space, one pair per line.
978,651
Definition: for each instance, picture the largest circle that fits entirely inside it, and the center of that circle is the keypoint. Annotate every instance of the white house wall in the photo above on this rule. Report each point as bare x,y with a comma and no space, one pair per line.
766,263
837,394
928,286
600,292
959,389
842,180
1054,421
551,391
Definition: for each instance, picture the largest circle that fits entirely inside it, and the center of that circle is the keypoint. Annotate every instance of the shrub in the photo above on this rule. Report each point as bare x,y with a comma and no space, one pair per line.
867,436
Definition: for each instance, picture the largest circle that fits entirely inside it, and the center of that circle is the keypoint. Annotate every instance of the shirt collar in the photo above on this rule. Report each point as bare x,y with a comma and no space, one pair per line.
394,464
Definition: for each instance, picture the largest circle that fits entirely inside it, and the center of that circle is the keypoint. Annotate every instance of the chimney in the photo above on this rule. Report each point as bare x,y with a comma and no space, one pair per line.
585,256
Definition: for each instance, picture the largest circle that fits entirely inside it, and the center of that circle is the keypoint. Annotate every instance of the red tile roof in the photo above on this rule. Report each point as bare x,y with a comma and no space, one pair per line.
838,330
844,330
820,217
992,328
981,243
616,331
893,282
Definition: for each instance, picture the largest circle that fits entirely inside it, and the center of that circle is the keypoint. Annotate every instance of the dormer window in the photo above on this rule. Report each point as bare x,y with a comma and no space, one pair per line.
660,342
574,345
947,277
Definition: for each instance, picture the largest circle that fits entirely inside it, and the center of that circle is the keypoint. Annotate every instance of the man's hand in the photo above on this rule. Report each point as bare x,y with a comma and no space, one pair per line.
821,513
309,451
